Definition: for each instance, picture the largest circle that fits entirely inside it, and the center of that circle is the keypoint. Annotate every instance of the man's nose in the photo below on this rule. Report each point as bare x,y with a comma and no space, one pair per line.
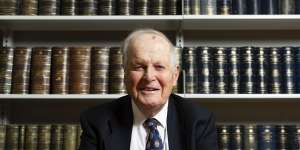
149,74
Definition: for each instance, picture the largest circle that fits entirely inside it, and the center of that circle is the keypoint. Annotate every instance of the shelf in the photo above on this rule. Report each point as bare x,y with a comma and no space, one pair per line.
241,22
86,23
117,23
200,97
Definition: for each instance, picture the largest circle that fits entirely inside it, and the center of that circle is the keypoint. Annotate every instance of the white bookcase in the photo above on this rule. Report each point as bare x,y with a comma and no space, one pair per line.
183,30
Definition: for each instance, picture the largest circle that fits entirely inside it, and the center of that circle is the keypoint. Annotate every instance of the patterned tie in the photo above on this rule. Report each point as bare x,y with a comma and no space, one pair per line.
154,141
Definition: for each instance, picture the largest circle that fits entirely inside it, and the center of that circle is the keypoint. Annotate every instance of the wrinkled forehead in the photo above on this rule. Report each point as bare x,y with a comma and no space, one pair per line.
149,39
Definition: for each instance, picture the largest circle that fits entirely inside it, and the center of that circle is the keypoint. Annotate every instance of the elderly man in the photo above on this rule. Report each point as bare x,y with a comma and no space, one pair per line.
149,117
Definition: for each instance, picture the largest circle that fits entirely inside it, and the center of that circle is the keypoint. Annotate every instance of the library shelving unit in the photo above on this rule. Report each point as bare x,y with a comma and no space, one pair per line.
183,30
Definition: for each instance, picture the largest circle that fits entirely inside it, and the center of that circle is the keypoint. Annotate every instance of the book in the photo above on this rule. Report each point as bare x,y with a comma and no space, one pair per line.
208,7
223,137
205,69
21,139
2,136
250,137
282,137
12,137
288,70
270,7
40,70
275,76
239,7
69,136
233,55
287,6
31,137
266,137
247,70
262,70
116,71
253,7
220,71
224,7
59,70
6,63
57,137
79,70
44,135
21,70
236,137
190,70
99,70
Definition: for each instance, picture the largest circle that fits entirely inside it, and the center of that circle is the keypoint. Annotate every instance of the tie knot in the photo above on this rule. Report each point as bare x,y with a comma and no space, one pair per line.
151,123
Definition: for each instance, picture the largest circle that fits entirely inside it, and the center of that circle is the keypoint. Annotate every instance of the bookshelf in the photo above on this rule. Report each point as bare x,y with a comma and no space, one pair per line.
239,30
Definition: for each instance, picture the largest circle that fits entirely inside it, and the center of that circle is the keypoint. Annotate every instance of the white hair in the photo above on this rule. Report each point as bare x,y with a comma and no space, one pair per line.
138,32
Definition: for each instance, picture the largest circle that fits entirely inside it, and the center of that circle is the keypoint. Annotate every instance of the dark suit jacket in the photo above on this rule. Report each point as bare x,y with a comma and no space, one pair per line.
108,126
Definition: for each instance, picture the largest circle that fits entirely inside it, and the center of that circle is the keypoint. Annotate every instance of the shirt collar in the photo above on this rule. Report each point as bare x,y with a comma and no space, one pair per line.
161,116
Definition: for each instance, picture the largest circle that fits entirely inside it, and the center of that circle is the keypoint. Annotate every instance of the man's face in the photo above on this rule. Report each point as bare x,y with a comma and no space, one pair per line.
150,75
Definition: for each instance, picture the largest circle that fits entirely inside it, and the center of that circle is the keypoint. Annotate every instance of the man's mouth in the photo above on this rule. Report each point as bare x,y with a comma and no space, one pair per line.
150,89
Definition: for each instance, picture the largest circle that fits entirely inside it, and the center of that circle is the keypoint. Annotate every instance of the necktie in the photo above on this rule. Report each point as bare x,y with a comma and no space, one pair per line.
154,141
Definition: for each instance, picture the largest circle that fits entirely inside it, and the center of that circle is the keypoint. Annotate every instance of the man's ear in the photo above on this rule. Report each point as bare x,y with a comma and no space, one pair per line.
176,75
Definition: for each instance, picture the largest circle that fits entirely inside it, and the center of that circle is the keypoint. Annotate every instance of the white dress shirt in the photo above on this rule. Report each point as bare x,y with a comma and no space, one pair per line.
139,132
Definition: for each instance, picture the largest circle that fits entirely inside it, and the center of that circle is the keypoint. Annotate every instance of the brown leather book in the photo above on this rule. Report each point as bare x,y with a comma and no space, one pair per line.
6,61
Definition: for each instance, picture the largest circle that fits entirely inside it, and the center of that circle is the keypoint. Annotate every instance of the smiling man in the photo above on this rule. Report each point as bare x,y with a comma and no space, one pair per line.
150,117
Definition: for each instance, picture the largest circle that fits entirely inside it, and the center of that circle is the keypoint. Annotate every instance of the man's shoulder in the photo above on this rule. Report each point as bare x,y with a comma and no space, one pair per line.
190,109
105,110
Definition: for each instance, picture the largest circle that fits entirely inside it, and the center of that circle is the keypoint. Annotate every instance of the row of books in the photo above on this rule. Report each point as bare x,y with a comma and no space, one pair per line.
240,7
148,7
42,137
230,137
99,70
258,137
90,7
244,70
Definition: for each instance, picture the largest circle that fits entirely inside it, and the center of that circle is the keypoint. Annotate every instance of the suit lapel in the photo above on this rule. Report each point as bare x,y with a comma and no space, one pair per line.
121,125
175,136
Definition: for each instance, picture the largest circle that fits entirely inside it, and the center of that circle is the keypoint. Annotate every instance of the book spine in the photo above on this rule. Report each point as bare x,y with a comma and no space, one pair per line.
178,88
270,7
172,7
125,7
6,63
195,7
12,135
157,7
208,7
205,71
69,132
294,137
21,137
250,137
223,137
236,137
59,70
31,137
21,70
262,70
297,71
2,136
99,70
266,137
107,7
233,55
247,70
253,7
282,137
79,70
287,6
239,7
44,135
56,137
190,69
224,7
275,71
78,137
220,71
288,70
116,71
40,70
142,7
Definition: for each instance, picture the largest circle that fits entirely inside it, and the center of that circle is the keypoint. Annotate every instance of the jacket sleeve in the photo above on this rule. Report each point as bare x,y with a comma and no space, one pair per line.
88,136
207,136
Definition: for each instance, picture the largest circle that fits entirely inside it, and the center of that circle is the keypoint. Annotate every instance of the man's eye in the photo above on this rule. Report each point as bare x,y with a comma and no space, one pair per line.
160,67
